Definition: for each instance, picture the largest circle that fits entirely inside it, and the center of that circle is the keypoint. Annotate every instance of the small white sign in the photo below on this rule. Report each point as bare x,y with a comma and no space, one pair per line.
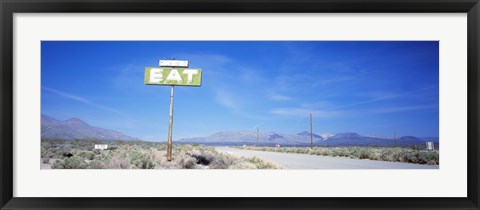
173,63
430,145
101,146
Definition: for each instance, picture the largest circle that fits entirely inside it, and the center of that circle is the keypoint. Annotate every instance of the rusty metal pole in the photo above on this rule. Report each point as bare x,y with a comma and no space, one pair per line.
257,138
170,123
311,132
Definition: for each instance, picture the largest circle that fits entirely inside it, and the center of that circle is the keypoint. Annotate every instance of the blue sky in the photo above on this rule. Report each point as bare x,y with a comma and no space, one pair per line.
371,88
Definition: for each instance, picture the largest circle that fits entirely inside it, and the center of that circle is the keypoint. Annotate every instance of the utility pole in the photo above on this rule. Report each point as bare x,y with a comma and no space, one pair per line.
170,124
257,138
311,132
395,137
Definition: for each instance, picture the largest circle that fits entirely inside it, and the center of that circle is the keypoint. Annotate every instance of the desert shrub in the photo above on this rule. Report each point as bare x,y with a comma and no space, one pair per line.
47,153
141,159
45,160
407,155
253,163
298,150
87,155
412,157
360,153
414,147
243,165
96,152
52,151
185,161
188,162
114,162
141,155
363,154
70,163
428,157
310,152
399,155
222,161
158,155
203,158
386,155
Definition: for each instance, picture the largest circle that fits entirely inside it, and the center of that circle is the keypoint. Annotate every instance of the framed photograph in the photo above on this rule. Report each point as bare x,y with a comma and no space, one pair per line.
239,105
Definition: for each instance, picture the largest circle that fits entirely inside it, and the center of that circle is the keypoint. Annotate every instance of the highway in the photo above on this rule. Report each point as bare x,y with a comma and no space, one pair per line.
304,161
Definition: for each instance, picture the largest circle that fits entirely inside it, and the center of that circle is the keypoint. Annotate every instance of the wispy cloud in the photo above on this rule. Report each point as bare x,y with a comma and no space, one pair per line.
129,78
317,105
213,59
231,102
301,120
370,101
299,112
124,122
326,109
286,82
405,108
249,75
226,99
213,63
384,97
81,99
279,97
331,81
257,125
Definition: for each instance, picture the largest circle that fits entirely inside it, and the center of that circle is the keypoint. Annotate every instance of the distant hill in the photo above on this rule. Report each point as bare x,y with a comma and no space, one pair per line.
75,128
433,139
307,134
301,139
250,137
355,139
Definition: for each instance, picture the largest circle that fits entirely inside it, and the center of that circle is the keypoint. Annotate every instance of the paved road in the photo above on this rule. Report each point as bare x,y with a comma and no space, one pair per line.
304,161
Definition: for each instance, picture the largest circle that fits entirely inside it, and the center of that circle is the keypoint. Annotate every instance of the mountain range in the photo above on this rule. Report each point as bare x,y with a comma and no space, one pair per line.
75,128
303,138
250,137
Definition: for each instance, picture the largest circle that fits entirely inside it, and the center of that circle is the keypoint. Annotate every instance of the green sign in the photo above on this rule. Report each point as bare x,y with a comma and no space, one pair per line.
173,76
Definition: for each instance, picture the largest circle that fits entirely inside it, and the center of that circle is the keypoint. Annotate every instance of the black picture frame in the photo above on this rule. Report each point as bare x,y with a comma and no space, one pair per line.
10,7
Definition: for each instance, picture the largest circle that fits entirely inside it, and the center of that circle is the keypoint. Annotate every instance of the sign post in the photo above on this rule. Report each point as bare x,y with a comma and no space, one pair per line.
257,139
170,124
172,73
311,132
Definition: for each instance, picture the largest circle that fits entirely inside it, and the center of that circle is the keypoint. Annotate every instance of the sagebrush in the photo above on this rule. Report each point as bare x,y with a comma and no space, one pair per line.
80,154
393,154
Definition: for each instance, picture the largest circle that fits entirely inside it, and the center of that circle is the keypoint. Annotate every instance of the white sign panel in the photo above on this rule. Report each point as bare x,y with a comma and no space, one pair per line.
172,76
101,146
173,63
430,145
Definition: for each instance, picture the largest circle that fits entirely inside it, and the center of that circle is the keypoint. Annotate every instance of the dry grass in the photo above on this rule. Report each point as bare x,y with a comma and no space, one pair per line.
143,155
